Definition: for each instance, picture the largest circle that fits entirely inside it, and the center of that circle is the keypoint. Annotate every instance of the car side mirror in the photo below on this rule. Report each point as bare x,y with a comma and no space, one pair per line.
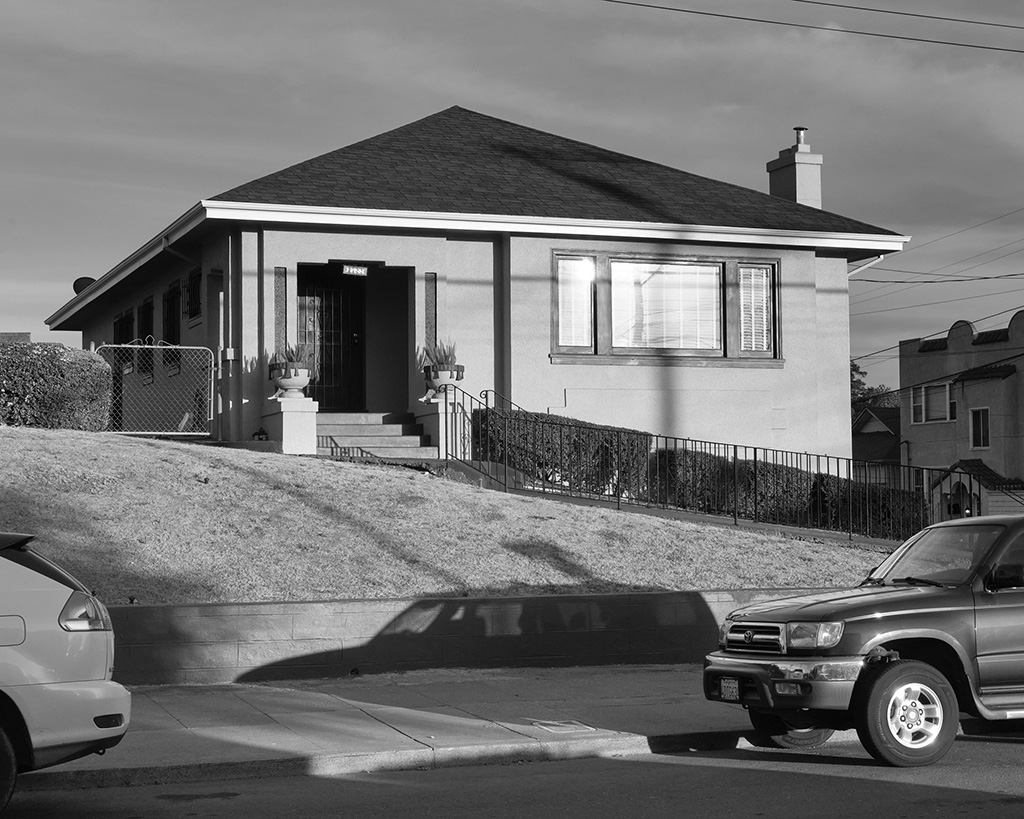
1007,576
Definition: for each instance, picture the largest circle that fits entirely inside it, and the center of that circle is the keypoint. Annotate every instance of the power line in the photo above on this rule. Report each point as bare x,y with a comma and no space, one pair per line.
940,239
936,333
910,14
808,26
944,280
946,376
862,300
933,303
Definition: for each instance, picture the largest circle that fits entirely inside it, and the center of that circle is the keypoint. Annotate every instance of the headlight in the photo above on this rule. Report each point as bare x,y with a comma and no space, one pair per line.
813,635
723,632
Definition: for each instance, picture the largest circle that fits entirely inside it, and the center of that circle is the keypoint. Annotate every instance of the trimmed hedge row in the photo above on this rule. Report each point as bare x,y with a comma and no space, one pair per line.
53,386
565,454
776,493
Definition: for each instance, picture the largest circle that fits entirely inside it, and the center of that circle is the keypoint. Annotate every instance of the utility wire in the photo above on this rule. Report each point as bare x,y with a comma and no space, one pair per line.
948,376
940,239
862,300
815,28
936,333
933,303
909,14
944,280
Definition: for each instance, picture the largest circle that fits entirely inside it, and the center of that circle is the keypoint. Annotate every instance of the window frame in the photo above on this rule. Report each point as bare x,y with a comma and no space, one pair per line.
918,403
981,413
730,351
192,296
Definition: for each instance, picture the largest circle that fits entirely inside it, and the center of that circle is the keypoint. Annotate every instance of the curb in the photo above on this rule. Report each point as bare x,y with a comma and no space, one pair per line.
332,764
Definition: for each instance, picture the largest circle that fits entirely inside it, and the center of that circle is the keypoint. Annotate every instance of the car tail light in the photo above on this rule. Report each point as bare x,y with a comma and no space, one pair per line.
83,612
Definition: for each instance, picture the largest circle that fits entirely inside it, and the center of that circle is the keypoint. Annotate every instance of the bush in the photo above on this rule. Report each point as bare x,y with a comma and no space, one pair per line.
564,453
53,386
866,509
711,483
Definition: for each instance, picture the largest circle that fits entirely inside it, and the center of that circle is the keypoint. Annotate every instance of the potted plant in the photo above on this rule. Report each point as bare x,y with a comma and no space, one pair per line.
439,366
291,369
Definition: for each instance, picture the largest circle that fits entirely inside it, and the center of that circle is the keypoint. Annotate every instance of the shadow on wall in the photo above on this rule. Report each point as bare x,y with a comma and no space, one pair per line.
438,633
267,641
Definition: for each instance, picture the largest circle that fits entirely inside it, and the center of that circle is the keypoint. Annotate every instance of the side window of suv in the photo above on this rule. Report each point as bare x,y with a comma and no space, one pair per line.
1008,571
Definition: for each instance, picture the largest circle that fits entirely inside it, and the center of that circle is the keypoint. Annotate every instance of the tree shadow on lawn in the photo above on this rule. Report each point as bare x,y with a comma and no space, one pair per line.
68,535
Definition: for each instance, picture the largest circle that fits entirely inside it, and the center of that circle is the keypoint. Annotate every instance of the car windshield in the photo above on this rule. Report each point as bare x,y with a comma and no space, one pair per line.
945,555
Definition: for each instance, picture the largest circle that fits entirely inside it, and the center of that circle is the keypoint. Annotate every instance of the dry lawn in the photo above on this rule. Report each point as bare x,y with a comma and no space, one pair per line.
165,522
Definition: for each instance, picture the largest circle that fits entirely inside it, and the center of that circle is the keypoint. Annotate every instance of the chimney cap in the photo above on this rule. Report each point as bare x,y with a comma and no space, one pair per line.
800,129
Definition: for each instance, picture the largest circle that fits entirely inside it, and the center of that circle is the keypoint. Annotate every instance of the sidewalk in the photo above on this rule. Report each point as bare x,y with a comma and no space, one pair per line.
420,719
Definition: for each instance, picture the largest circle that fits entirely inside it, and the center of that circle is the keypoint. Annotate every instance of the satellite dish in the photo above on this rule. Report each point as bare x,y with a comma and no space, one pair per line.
82,283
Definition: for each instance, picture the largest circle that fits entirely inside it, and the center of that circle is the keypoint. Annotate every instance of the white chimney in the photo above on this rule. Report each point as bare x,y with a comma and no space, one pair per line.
796,174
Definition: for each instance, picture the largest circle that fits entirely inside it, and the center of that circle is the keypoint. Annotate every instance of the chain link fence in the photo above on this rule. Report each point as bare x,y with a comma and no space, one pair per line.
160,389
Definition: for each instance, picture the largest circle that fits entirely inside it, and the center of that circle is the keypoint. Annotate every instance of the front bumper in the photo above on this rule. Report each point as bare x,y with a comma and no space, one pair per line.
781,683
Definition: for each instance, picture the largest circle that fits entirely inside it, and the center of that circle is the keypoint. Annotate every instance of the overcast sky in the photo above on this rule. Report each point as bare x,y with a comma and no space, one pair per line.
116,117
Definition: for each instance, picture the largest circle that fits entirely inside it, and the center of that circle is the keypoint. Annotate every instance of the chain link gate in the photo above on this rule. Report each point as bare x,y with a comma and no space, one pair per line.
160,389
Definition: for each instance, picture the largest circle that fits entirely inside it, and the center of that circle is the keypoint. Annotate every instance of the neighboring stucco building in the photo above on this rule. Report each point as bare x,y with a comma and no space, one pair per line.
962,397
573,279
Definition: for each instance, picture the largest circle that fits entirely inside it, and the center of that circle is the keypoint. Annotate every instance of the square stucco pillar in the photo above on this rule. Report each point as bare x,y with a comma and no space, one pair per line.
292,421
445,423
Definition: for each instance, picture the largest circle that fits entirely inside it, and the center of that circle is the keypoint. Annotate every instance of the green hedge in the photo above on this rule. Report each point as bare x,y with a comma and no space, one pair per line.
566,454
53,386
714,484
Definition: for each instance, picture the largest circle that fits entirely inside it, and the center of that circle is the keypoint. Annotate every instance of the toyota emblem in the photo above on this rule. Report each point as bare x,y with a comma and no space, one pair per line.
748,637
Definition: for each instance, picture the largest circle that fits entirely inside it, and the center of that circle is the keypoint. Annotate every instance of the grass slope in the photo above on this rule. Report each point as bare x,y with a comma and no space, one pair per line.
167,522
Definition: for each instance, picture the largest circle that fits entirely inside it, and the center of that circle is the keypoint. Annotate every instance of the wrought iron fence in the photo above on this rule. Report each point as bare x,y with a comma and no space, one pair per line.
523,450
160,389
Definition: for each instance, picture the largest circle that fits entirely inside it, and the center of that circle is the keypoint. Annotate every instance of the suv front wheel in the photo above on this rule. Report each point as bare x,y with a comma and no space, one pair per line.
907,715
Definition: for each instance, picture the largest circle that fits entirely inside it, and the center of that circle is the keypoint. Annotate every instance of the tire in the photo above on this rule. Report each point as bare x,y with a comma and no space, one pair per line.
775,732
8,769
907,715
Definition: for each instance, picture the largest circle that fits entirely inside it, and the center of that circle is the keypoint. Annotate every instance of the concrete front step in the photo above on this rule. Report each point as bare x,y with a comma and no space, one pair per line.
392,441
363,418
382,430
405,453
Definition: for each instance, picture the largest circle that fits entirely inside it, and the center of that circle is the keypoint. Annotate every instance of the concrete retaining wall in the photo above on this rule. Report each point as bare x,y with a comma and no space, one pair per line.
221,642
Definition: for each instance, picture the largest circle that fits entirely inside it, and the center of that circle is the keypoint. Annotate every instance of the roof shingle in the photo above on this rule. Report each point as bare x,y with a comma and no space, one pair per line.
460,161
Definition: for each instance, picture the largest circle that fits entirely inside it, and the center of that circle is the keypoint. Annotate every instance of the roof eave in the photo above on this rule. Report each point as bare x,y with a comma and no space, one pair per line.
855,245
184,224
486,222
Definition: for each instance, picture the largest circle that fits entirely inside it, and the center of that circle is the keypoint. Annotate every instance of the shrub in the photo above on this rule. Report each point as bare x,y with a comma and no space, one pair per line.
565,453
50,385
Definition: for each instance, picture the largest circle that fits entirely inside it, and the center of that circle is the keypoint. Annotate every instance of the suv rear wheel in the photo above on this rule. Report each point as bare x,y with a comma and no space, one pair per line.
907,715
776,732
8,769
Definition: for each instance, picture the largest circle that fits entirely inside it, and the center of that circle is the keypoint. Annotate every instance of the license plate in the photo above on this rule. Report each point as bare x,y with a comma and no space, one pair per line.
729,688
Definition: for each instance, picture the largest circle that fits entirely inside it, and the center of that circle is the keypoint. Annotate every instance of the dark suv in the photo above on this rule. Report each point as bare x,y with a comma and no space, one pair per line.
935,630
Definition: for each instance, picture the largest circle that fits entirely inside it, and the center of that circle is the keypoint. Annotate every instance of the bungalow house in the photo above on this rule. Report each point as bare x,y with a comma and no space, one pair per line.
962,395
573,279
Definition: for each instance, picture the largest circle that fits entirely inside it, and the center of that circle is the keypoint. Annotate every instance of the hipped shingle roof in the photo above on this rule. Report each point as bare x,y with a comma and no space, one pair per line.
459,161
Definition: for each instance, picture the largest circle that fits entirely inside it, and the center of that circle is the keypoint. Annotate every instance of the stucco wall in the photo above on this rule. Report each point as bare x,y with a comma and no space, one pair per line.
798,403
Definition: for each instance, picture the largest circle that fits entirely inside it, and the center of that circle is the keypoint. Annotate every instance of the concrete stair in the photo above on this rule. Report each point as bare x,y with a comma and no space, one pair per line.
388,435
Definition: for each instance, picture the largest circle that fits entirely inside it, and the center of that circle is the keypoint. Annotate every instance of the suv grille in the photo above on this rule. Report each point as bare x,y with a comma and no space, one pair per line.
768,638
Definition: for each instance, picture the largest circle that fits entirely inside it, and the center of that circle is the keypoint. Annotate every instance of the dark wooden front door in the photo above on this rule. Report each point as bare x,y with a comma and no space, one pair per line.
332,318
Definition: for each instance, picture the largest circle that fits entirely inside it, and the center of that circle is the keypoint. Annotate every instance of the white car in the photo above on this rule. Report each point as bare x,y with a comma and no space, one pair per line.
57,699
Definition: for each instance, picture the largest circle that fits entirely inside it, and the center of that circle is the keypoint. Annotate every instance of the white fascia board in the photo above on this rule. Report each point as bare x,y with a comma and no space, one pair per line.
488,223
181,226
471,222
